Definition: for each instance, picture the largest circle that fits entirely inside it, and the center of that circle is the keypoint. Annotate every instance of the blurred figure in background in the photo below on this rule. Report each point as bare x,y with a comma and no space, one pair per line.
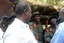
59,34
36,27
6,9
14,2
3,23
51,30
3,27
7,15
7,19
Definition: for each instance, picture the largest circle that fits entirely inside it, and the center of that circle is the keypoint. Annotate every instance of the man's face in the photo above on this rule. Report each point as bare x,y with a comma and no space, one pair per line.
29,15
37,17
53,20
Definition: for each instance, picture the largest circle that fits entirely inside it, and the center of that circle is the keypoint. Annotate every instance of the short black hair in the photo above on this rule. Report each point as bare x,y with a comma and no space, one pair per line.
14,1
20,7
54,16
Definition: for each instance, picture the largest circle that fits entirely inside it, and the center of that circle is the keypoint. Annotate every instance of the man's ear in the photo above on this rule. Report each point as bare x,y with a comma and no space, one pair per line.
25,12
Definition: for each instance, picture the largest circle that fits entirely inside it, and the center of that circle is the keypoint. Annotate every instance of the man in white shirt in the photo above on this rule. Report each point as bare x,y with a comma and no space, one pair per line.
18,31
1,33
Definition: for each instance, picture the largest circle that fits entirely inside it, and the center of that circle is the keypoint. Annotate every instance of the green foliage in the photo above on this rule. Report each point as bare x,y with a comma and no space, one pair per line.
59,3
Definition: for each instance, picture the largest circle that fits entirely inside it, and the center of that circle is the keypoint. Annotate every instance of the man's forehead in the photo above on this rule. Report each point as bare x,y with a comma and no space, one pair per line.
53,19
62,10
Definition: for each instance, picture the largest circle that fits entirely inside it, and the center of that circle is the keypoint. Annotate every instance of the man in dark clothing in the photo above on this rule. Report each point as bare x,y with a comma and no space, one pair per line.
36,27
51,30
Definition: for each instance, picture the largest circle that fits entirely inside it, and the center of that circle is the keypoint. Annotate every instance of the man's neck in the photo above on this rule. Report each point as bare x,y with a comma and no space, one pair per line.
21,18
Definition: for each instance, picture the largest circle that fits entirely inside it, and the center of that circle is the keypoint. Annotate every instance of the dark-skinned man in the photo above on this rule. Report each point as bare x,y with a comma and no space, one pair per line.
36,27
51,29
18,31
59,34
6,9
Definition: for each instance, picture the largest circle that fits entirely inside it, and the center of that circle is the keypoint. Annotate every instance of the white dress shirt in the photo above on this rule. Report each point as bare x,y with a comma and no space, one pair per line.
18,32
1,34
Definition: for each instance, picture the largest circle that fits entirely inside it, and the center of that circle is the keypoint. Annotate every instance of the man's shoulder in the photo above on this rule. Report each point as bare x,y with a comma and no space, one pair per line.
61,24
13,30
60,28
13,27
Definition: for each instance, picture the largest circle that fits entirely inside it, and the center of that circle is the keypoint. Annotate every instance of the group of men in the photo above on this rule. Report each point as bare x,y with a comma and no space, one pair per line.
18,31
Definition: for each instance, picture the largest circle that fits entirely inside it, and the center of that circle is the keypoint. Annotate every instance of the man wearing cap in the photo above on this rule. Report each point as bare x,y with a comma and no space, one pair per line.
18,31
36,26
59,34
51,30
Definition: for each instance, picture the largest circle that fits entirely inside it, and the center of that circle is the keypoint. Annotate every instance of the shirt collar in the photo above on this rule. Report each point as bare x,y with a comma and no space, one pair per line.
21,23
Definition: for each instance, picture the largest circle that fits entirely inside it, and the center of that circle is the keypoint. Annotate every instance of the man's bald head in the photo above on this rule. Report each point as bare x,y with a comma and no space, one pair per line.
61,11
61,14
23,11
21,6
